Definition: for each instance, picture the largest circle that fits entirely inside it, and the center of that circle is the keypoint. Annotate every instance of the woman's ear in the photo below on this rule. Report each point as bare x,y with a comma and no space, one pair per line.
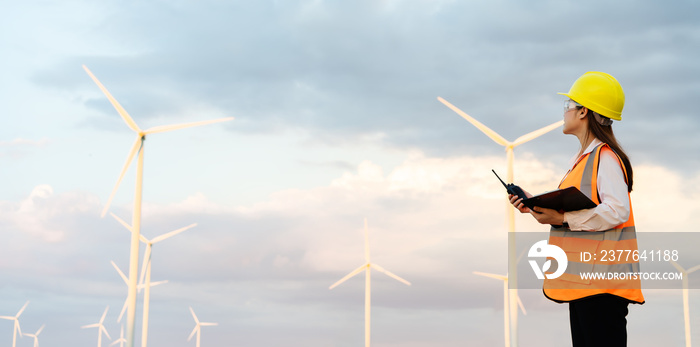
582,113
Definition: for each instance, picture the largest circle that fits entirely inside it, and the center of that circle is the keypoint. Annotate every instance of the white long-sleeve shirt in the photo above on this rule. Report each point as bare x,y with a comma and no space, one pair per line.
614,207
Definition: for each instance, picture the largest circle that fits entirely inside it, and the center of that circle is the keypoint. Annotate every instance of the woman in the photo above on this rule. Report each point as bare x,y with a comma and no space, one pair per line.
602,171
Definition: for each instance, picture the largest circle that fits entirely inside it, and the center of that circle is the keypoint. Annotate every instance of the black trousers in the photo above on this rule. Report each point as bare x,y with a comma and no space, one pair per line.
599,321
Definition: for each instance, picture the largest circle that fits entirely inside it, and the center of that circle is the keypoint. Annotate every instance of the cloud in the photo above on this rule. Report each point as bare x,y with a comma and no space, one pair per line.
44,215
20,147
24,142
309,65
431,220
427,217
660,193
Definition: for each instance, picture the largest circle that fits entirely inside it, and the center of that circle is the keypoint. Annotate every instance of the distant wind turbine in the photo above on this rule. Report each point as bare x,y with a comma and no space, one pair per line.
198,327
16,328
121,340
146,271
100,328
511,210
138,146
366,267
686,307
506,316
36,336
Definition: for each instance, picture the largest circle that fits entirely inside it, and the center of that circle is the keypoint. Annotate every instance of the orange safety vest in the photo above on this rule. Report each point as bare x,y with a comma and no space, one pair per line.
612,251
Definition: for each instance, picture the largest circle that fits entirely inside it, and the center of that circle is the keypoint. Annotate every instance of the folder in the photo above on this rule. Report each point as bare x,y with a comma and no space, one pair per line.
567,199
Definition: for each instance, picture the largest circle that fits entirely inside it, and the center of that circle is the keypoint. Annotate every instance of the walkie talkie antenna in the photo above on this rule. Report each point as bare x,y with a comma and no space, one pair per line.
499,178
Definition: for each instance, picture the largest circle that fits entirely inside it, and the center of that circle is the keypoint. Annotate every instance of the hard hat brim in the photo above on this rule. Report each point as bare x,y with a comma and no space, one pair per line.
584,102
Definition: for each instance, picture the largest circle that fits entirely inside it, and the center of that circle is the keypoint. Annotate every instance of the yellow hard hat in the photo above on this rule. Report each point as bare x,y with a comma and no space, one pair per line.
599,92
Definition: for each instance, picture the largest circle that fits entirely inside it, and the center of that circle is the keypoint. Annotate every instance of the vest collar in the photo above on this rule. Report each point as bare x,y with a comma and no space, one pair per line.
595,143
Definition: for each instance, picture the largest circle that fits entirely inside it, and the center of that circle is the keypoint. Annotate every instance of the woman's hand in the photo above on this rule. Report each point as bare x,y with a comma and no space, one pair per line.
518,202
547,216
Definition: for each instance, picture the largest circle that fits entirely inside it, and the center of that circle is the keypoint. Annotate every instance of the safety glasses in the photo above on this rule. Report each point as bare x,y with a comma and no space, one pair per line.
569,104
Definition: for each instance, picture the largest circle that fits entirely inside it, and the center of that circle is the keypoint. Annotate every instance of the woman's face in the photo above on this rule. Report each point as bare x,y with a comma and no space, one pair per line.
573,122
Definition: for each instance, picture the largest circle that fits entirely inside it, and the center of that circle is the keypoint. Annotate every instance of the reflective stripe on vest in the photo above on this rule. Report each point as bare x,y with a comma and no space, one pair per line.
617,244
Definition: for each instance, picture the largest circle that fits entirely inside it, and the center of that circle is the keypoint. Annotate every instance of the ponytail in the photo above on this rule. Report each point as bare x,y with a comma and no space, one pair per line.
605,134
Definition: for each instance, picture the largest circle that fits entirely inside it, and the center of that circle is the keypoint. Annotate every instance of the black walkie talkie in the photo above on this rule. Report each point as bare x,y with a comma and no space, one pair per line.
511,188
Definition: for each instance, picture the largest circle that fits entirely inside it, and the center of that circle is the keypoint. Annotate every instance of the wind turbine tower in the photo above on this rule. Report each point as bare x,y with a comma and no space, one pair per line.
100,328
137,147
368,290
198,327
126,281
121,340
509,146
506,315
145,279
686,307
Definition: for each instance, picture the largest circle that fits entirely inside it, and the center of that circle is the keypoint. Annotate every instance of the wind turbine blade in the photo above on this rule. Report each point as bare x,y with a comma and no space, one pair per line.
194,315
90,326
122,112
388,273
104,330
694,268
103,316
121,274
678,267
22,309
7,317
537,133
164,128
498,277
486,130
121,314
193,331
522,307
204,324
122,222
129,158
39,331
153,284
353,273
172,233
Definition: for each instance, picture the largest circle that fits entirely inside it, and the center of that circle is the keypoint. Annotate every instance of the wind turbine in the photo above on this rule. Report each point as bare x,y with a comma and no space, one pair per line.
138,146
366,268
506,299
686,308
121,340
198,327
506,315
100,328
16,328
146,271
509,146
126,280
36,336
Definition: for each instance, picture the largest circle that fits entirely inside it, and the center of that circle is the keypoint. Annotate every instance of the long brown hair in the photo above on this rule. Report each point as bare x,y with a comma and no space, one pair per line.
605,134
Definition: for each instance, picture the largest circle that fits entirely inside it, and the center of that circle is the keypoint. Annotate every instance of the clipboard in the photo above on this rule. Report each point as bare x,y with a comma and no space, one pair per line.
567,199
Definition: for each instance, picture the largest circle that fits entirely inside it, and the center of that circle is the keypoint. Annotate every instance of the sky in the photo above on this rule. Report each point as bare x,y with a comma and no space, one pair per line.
336,120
